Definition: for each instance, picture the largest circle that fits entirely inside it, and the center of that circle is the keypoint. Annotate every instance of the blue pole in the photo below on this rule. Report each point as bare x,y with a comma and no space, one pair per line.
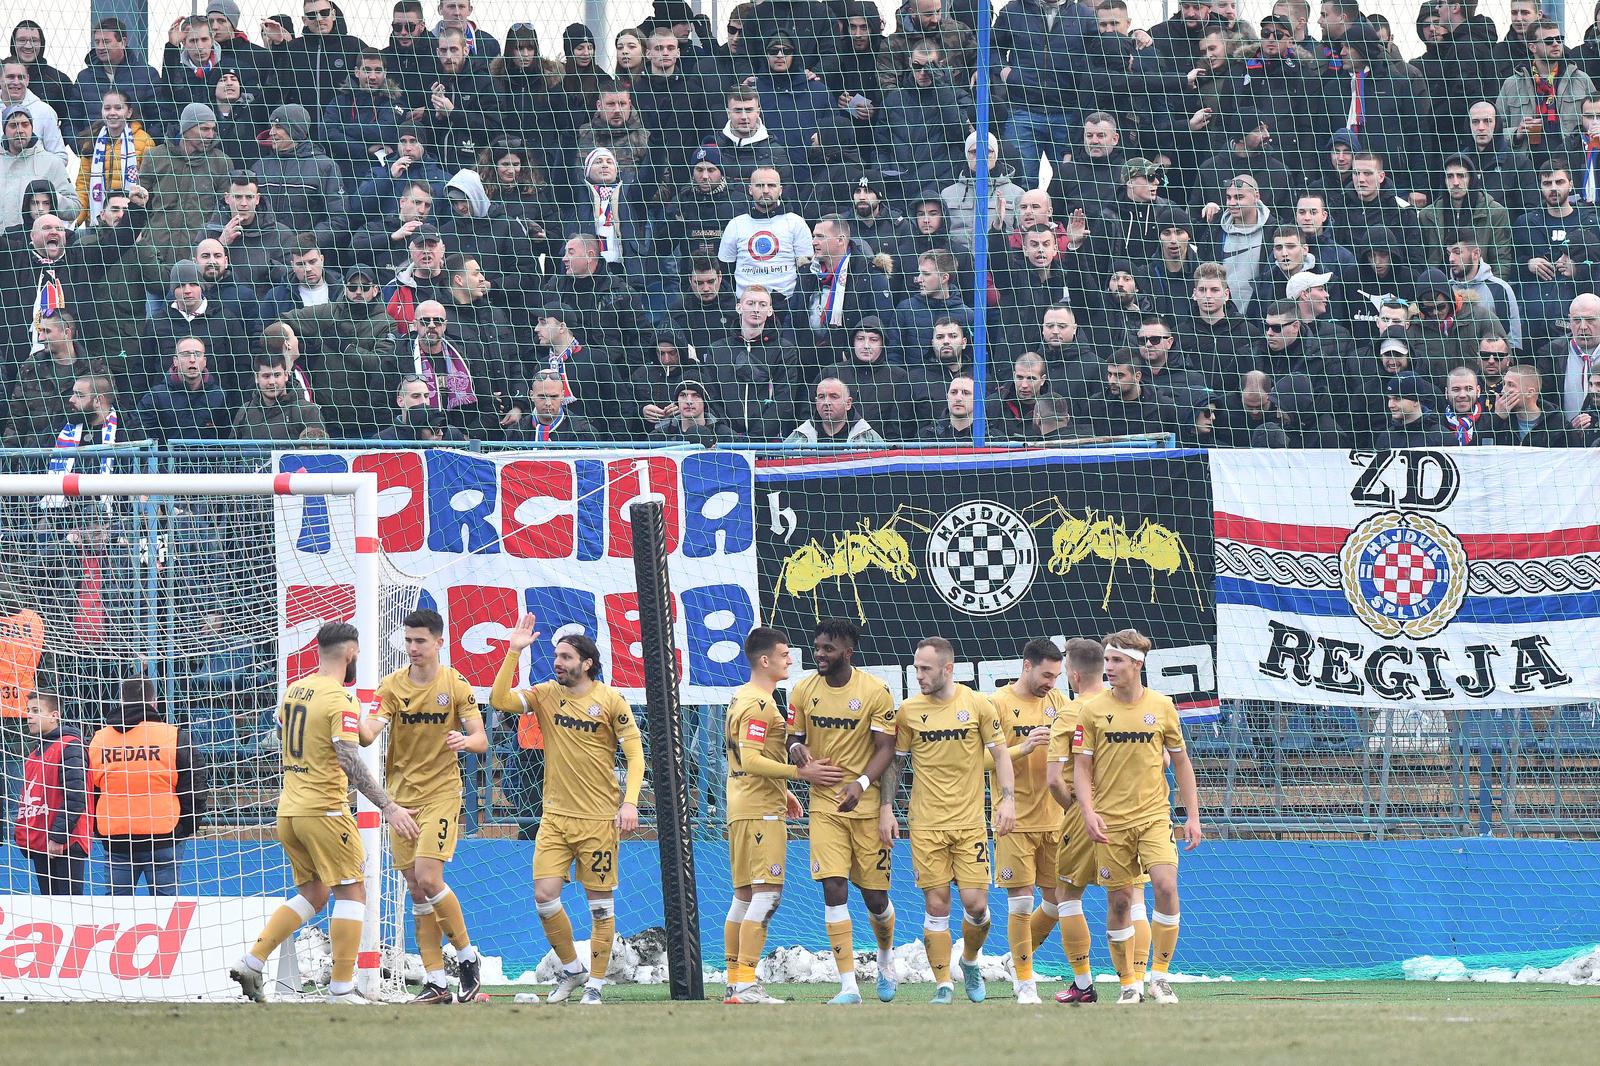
980,235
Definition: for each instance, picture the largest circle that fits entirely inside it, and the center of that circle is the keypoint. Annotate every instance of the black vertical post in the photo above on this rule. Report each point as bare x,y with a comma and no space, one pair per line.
671,783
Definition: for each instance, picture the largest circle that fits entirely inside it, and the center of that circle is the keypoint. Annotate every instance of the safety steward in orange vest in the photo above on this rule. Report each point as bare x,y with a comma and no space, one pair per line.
149,792
52,824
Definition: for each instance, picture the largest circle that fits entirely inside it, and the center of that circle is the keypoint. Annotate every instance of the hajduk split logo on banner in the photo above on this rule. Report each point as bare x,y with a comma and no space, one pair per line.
1466,577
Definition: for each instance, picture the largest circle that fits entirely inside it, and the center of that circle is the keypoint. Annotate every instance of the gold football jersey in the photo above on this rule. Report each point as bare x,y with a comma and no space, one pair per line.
418,766
1019,716
842,725
1127,741
754,724
315,712
581,738
946,743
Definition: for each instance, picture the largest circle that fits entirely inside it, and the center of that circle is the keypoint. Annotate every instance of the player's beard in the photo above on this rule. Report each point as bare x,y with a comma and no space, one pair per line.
350,673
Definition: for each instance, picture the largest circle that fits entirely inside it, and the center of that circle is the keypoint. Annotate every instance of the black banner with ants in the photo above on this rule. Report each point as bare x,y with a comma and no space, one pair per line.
990,550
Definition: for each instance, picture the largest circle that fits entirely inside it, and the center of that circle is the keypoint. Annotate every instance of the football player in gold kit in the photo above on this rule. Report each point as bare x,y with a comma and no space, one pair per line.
431,714
1075,862
1121,787
1026,857
758,801
944,733
584,722
318,722
846,716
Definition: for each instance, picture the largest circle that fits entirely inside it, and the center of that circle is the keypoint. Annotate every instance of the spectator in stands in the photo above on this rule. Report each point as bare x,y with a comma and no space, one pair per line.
308,69
617,127
224,339
881,390
256,243
766,244
840,287
1245,416
553,420
463,383
875,224
795,108
606,305
189,73
655,385
1541,103
1164,372
1586,426
1128,408
615,213
94,418
690,418
186,178
385,241
421,278
961,196
462,107
310,283
1243,242
457,15
754,374
275,412
587,370
1247,153
705,313
299,183
1520,419
280,340
703,208
527,86
409,56
1009,414
109,155
41,396
15,92
251,63
49,273
52,818
1319,327
216,279
414,420
411,161
926,20
189,404
744,144
935,298
1465,410
1076,370
1372,201
1290,256
241,118
1568,361
1473,279
1285,351
925,119
1557,246
149,792
955,424
361,121
348,342
24,161
1040,55
1138,210
1168,276
1410,424
1507,174
675,102
1515,49
835,420
1495,357
858,66
1466,211
1214,338
1311,215
108,66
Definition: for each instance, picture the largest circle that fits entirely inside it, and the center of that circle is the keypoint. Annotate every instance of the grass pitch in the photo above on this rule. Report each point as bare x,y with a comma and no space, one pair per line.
1259,1022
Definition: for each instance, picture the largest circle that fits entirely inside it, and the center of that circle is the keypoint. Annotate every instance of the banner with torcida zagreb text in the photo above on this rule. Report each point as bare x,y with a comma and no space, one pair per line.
990,550
1466,577
483,538
83,948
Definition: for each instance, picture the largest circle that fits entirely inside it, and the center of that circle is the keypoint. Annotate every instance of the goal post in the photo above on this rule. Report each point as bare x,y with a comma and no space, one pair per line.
193,971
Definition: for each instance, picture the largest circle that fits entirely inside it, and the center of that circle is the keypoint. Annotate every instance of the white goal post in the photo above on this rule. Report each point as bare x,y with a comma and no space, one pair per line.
362,489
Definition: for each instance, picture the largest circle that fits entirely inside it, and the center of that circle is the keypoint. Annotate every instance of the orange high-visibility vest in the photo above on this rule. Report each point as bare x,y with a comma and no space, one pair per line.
136,774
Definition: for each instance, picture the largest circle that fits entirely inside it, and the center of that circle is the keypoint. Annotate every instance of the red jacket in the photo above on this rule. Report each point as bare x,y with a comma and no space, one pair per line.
45,797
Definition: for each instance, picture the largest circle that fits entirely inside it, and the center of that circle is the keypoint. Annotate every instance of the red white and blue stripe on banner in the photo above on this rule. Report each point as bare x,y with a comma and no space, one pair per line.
1467,577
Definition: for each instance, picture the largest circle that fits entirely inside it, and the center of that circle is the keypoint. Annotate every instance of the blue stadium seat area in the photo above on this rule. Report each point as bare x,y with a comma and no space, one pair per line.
1574,730
1495,732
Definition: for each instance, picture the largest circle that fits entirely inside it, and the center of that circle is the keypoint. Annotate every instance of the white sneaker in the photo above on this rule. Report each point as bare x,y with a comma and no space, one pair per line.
351,998
251,981
1160,989
1130,994
568,982
753,993
591,996
1027,994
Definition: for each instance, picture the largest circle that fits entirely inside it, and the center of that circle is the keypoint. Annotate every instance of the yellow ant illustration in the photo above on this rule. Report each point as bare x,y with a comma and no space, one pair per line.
882,546
1105,537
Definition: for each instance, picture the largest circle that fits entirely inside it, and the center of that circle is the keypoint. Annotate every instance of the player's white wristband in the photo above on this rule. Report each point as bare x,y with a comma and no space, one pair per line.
864,781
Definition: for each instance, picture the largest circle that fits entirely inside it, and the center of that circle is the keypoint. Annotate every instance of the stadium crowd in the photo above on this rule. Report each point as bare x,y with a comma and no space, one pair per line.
1273,234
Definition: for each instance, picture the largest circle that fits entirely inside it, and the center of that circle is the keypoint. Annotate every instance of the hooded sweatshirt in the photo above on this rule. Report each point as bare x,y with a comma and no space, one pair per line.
961,203
1493,295
34,163
1242,251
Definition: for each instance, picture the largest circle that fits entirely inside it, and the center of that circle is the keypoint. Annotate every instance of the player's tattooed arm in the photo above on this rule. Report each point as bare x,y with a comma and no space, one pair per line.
361,778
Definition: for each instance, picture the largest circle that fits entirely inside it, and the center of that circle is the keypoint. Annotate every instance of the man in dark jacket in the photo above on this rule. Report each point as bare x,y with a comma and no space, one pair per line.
1520,419
1041,48
842,286
300,185
362,120
1410,425
882,391
311,67
52,822
461,103
655,385
675,102
44,81
409,55
926,123
224,339
188,404
257,243
705,313
754,374
108,66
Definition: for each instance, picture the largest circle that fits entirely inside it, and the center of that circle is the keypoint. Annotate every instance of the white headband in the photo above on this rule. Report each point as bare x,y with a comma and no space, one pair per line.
1133,653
